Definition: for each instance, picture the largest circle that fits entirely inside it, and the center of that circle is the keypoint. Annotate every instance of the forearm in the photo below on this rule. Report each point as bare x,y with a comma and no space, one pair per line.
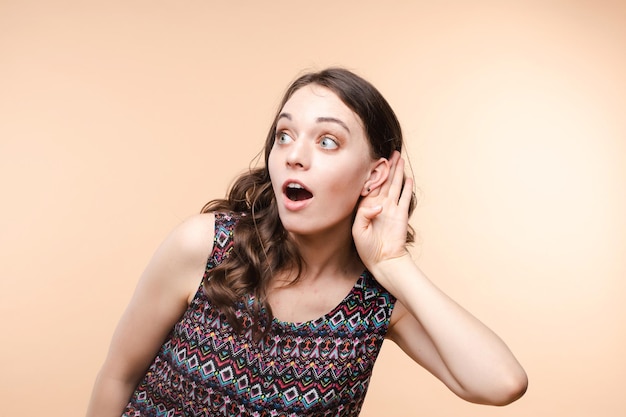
478,360
109,397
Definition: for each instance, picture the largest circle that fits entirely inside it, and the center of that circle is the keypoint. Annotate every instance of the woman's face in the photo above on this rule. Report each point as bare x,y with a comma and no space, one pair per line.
320,162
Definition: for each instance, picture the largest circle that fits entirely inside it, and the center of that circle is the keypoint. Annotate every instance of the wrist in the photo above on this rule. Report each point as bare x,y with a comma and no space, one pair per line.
389,271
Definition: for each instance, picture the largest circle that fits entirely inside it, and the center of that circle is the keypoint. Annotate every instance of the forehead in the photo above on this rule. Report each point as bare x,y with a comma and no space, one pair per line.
315,101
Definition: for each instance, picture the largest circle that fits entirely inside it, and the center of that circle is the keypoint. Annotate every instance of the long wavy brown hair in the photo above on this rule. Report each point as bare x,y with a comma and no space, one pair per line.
262,246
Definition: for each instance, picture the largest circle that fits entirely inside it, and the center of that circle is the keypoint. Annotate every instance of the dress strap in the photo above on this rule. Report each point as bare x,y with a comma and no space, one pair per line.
223,240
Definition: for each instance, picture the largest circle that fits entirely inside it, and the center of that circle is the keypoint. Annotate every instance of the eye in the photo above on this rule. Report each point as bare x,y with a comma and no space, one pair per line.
283,138
328,143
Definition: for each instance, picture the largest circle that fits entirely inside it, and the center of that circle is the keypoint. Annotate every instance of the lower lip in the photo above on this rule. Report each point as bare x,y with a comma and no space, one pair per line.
295,205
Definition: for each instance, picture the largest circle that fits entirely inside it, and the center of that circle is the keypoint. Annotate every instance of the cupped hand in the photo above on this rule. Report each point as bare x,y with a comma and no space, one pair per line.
381,223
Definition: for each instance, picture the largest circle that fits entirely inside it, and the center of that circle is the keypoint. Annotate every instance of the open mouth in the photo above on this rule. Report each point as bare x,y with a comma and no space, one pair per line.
296,192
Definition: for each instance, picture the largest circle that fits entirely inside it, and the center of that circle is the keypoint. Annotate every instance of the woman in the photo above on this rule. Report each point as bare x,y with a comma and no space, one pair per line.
270,330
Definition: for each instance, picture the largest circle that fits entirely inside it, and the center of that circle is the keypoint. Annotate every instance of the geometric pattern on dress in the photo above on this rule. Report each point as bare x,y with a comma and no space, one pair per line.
319,368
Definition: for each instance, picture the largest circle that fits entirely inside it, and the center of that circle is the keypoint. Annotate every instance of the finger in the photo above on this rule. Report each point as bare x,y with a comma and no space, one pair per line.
393,161
395,189
407,195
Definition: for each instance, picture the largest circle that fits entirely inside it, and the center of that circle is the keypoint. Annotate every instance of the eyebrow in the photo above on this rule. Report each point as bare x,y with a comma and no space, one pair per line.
318,120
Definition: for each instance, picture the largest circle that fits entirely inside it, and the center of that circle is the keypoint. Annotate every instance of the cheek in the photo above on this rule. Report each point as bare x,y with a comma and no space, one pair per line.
348,184
271,164
271,167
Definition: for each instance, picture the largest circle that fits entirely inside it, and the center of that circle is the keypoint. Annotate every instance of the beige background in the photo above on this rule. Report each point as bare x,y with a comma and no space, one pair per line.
118,119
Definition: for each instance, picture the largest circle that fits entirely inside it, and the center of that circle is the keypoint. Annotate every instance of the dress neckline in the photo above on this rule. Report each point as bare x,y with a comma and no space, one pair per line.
291,324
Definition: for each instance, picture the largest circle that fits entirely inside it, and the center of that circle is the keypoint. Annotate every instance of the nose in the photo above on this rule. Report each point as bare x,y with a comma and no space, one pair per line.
298,155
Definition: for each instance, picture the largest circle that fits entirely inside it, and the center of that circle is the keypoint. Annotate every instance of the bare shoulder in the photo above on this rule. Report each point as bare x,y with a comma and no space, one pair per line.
178,265
163,293
192,240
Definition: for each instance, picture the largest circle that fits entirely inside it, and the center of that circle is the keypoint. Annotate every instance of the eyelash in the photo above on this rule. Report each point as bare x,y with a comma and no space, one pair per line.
333,140
278,138
279,135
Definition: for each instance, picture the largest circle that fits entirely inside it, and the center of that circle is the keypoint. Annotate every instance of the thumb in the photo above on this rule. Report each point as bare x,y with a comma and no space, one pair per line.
365,215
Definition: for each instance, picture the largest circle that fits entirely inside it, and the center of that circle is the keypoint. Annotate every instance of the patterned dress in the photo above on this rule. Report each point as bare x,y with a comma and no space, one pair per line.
316,368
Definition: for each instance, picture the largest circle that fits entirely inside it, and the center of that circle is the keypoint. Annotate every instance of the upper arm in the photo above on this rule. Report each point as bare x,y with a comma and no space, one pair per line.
163,293
408,333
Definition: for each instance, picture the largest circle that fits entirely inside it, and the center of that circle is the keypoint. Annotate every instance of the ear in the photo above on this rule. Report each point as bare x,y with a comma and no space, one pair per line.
377,176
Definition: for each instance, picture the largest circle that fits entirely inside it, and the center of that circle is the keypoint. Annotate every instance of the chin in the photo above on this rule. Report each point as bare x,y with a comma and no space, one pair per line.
310,224
298,226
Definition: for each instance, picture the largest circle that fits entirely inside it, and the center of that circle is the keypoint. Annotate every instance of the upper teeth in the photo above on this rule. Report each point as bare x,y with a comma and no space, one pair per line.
294,185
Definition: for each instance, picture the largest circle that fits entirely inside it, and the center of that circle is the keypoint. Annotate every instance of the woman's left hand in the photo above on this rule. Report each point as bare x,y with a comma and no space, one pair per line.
381,222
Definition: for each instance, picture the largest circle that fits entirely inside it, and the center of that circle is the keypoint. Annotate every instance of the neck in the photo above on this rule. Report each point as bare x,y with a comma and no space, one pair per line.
328,255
